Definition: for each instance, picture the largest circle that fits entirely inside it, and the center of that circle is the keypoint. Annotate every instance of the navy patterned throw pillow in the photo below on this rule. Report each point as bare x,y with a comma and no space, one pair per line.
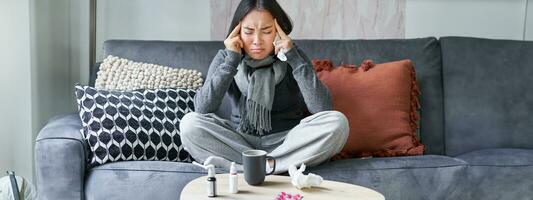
135,125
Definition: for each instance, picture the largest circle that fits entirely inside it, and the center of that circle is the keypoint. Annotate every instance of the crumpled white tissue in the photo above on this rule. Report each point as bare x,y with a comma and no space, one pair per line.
281,55
299,180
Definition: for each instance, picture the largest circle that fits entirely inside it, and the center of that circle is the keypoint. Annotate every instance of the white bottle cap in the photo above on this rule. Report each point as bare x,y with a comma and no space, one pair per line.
233,169
210,170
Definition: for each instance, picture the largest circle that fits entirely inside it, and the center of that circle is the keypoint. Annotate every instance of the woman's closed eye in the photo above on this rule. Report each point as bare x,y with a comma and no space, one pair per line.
248,33
250,30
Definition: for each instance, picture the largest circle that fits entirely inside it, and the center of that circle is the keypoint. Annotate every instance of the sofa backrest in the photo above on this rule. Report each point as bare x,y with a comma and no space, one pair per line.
488,95
424,52
182,54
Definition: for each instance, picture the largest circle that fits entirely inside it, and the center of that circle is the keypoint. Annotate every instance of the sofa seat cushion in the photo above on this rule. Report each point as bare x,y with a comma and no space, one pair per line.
140,180
499,174
499,157
409,177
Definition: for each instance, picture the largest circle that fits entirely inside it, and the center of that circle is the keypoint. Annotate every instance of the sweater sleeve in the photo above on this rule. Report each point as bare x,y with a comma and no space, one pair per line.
315,94
219,77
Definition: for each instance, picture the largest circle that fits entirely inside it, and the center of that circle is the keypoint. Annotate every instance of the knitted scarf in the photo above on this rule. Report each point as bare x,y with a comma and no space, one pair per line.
256,79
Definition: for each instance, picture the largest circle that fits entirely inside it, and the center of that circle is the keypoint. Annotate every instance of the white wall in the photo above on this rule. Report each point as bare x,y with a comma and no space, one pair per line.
498,19
79,41
37,74
185,20
53,92
15,87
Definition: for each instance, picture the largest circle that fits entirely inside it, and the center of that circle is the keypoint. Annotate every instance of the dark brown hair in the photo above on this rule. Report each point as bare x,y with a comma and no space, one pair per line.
271,6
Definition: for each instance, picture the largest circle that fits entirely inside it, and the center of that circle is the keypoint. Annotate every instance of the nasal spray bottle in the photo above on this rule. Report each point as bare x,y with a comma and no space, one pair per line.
211,179
233,184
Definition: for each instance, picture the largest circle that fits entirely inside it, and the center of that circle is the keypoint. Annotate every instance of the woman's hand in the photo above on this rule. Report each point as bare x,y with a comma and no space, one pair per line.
234,42
284,41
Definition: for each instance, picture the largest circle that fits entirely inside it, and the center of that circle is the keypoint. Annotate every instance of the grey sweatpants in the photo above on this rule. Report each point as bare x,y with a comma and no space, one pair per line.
313,141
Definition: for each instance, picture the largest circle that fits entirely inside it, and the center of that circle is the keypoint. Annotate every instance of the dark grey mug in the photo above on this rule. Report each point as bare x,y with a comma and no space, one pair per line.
254,163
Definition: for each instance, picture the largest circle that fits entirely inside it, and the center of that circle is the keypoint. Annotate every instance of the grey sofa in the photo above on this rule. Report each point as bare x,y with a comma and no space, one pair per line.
476,123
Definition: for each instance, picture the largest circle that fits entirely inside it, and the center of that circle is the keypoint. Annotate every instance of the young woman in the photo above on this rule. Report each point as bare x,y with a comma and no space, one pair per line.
270,98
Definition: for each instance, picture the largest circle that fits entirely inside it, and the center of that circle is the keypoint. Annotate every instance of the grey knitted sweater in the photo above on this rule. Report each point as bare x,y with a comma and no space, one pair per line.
300,91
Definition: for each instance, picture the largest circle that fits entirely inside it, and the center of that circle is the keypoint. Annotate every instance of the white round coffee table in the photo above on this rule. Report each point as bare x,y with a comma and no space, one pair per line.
273,185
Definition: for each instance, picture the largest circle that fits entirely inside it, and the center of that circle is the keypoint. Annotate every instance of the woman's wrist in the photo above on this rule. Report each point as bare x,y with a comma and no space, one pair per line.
293,56
232,57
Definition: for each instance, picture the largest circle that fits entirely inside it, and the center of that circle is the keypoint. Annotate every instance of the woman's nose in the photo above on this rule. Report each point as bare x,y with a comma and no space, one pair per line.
257,40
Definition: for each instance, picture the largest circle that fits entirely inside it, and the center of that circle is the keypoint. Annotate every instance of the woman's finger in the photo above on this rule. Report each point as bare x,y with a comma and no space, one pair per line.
282,44
241,45
282,34
235,42
236,30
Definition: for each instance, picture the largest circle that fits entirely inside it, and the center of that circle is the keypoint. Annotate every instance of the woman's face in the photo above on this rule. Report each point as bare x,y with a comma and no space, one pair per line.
258,33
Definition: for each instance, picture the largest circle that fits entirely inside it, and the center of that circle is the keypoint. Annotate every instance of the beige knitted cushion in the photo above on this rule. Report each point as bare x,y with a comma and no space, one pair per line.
122,74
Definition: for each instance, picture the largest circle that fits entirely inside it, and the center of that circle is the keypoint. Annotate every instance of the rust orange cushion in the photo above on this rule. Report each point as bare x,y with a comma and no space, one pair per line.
380,102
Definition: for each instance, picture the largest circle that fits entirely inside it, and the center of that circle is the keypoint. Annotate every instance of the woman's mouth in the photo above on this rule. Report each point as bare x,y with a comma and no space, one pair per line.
256,50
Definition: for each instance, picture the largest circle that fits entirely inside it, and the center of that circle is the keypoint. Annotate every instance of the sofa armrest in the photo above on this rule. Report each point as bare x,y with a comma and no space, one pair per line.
60,159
